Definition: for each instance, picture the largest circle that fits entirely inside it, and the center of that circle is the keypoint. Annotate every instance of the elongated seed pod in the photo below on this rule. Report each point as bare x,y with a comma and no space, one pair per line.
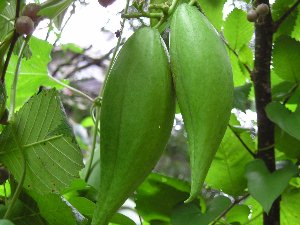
203,85
136,119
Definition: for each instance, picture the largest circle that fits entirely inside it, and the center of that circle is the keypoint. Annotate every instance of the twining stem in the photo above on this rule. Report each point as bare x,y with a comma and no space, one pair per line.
72,89
16,76
21,181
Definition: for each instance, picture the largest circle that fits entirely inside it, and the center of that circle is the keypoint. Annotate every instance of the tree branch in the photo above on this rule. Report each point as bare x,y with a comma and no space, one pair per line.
285,15
261,77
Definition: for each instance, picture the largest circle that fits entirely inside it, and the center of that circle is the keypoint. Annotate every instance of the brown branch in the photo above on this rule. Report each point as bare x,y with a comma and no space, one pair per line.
236,202
261,77
284,16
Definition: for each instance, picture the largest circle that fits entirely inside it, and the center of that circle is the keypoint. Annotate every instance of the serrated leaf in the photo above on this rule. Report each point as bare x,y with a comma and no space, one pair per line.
286,59
226,172
33,72
290,207
239,77
261,181
41,131
237,30
190,214
284,118
156,187
213,9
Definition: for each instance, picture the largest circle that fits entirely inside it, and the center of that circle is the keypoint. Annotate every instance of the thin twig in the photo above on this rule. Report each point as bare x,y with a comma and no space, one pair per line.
237,201
242,142
277,23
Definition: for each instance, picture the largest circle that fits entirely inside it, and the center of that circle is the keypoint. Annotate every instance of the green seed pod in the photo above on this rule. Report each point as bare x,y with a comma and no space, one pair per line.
136,119
204,87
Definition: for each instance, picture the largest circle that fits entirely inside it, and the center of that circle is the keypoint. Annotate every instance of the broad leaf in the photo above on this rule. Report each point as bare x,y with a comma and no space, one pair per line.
190,214
296,31
261,181
286,143
85,206
286,59
238,214
290,207
156,197
256,216
227,169
213,9
121,219
54,8
40,130
284,118
33,73
239,77
237,30
57,211
6,222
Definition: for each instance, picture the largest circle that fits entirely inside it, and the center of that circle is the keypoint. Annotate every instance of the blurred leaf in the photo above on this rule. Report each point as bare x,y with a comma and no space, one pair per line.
87,122
226,172
190,214
286,60
55,8
296,31
239,77
241,97
40,129
7,15
256,216
85,206
213,9
284,90
156,197
33,72
237,30
121,219
261,181
6,222
286,143
290,207
239,214
284,118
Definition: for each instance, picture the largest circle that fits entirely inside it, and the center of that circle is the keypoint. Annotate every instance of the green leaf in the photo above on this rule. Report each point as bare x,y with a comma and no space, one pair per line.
286,60
120,219
55,8
238,214
156,187
286,143
213,9
290,207
241,97
261,181
256,216
237,30
190,214
6,222
226,172
56,210
284,118
286,90
296,31
85,206
33,73
239,77
40,129
7,15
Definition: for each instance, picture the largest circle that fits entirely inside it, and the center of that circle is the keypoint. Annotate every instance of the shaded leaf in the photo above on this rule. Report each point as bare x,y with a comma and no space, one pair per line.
121,219
261,181
237,30
7,15
286,60
241,97
226,172
238,214
156,187
40,130
190,214
284,118
286,143
6,222
33,73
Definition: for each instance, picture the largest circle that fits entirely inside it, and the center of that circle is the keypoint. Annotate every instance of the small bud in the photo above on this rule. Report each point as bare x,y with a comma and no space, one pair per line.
262,9
252,15
24,25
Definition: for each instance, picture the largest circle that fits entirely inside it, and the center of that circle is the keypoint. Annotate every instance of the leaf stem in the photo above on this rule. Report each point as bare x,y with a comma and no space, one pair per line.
172,7
192,2
20,184
73,89
15,81
142,14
